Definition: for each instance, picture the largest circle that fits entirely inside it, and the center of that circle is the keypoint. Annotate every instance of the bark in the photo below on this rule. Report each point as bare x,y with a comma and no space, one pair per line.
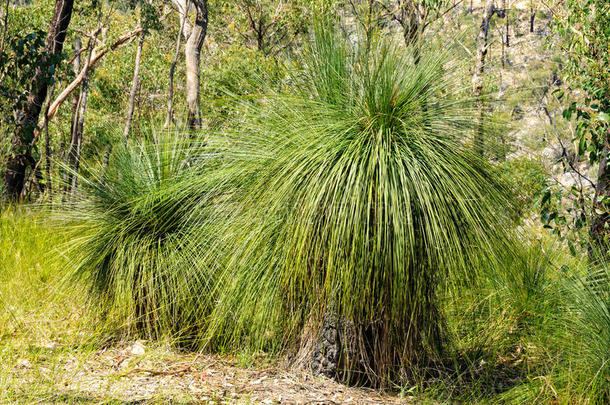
78,122
170,101
507,40
477,78
192,52
23,139
76,62
49,187
134,86
76,140
4,27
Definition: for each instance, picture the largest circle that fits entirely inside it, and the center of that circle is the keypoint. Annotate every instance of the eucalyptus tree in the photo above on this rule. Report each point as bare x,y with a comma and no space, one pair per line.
483,44
195,30
415,17
585,27
271,25
149,19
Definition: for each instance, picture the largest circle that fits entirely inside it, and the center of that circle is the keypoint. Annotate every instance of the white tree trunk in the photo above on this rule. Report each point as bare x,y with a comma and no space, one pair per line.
134,86
195,32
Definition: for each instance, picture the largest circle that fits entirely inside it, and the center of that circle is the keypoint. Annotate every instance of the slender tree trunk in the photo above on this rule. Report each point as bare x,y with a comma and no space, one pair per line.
477,78
134,86
532,16
170,101
4,27
503,52
49,186
506,11
76,69
21,145
76,141
192,53
78,122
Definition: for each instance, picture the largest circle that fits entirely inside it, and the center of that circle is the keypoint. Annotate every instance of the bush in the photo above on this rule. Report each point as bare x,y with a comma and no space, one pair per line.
138,228
358,202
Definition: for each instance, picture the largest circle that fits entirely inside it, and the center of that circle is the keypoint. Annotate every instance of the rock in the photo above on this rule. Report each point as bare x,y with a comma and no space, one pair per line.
23,363
137,349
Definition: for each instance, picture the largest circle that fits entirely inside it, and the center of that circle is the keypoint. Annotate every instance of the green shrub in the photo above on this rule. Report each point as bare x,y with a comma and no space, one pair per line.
357,198
588,322
529,177
137,230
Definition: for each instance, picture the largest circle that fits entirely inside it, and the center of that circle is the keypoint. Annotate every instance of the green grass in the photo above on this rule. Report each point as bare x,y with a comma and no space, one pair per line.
41,317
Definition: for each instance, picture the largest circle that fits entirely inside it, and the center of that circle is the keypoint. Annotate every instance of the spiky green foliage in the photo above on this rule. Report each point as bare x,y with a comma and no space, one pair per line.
138,227
358,198
588,320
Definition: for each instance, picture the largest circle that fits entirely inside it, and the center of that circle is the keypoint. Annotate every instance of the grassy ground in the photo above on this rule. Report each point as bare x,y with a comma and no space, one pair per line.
54,348
511,343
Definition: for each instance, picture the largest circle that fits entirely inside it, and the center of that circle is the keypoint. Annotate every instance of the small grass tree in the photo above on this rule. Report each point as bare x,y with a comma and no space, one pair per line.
360,200
137,231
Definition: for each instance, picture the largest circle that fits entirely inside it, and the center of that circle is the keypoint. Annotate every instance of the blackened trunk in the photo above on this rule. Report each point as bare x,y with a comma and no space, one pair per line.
23,139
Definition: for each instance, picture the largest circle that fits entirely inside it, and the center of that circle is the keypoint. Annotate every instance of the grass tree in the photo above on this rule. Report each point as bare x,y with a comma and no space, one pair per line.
137,228
358,202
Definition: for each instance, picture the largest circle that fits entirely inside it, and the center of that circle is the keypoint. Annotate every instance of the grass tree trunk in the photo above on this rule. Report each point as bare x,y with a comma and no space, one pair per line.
21,144
478,77
192,53
134,86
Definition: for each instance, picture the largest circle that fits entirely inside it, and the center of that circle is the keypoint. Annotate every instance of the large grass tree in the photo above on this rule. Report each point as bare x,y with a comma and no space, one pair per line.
359,201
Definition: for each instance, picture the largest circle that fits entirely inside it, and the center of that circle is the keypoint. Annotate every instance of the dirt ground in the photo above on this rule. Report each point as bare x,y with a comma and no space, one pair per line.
131,374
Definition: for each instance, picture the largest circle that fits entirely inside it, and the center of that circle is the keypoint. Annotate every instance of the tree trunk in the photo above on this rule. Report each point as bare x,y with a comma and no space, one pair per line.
532,17
21,145
76,140
192,53
98,54
507,24
170,101
47,148
78,122
4,27
477,78
134,86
